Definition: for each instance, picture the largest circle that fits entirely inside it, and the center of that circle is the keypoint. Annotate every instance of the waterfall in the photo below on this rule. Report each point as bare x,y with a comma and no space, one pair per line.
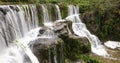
47,15
49,22
19,27
80,29
15,22
58,12
46,18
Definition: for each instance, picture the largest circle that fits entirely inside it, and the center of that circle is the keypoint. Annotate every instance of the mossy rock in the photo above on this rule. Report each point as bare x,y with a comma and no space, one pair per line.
74,48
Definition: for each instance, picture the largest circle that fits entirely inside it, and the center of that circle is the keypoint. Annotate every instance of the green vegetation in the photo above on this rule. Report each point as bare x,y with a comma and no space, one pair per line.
81,2
88,59
45,1
102,19
64,11
73,48
39,13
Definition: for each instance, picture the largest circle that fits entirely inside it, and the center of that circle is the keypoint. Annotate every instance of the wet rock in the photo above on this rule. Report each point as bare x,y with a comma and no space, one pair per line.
60,28
83,40
3,11
14,8
41,31
63,28
44,47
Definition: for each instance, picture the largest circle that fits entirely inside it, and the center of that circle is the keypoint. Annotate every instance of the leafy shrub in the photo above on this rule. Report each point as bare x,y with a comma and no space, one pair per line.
88,59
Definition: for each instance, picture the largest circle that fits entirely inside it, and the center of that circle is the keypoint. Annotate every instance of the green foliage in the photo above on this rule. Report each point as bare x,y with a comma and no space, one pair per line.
105,14
15,0
64,11
83,8
81,2
88,59
73,48
40,14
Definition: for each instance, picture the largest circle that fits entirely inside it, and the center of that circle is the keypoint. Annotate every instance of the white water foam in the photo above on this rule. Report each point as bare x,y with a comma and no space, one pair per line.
112,44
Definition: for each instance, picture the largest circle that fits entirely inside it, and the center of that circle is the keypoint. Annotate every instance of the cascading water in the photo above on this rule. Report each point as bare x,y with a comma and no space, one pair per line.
58,12
19,26
80,29
15,22
49,22
47,15
46,18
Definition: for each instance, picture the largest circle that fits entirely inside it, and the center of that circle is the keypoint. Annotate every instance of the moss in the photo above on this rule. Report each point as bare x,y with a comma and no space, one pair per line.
73,48
40,14
64,10
52,11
